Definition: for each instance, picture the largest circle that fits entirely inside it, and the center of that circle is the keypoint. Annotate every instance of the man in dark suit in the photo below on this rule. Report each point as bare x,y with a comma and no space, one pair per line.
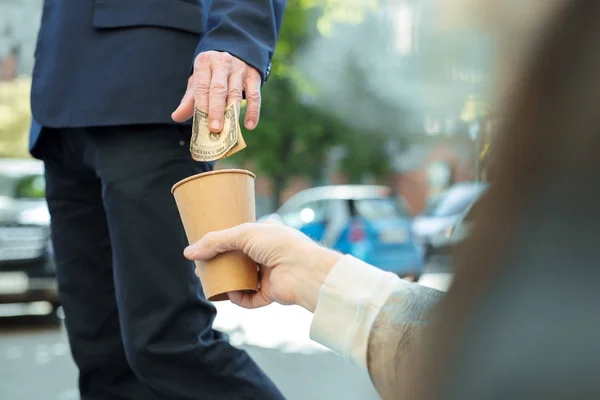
108,83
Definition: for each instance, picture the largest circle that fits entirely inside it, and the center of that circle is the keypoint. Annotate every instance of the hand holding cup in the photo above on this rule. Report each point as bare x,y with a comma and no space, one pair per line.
292,267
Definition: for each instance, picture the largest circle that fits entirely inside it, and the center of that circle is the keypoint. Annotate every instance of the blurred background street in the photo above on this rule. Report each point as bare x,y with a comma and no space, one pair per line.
378,138
375,131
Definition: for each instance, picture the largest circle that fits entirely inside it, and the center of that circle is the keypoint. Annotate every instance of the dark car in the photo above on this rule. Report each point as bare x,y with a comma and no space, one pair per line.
435,225
27,272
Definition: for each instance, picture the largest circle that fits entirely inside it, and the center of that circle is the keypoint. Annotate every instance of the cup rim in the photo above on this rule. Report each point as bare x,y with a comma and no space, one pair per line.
215,172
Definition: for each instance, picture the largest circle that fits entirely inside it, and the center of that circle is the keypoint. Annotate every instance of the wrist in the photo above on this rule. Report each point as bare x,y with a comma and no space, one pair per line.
320,262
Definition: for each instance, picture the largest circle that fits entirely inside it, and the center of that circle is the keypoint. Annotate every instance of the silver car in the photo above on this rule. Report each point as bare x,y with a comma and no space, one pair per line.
437,225
27,272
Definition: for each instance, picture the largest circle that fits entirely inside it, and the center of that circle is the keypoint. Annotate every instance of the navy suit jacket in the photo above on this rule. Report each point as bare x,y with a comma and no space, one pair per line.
120,62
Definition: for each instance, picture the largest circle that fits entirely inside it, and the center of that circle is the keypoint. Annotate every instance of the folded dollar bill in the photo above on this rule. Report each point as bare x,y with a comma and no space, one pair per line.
210,146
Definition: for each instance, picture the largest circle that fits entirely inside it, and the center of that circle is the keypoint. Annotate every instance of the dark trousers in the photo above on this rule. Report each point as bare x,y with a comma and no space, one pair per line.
138,324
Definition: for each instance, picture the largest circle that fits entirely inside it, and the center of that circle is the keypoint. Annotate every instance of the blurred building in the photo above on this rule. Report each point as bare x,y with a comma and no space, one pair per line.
457,62
8,65
19,24
440,152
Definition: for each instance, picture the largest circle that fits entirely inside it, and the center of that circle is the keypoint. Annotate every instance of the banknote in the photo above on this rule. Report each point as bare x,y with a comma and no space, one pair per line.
210,146
241,143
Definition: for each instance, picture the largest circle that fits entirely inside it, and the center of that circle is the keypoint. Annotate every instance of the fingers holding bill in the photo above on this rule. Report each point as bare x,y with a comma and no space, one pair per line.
217,97
252,85
219,80
235,90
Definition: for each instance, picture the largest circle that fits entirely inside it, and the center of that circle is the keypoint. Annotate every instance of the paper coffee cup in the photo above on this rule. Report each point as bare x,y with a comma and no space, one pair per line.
214,201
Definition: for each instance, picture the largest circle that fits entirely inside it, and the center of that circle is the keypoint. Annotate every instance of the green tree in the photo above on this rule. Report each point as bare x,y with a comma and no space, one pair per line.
292,139
296,131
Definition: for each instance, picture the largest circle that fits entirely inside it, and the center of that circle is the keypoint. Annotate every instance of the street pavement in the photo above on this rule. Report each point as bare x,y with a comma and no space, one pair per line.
35,362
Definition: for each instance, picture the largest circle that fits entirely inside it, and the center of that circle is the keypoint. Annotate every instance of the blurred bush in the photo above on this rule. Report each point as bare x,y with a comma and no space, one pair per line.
297,132
15,117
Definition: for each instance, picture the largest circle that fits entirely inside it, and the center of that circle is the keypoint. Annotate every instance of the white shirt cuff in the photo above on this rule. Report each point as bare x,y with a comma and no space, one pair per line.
350,299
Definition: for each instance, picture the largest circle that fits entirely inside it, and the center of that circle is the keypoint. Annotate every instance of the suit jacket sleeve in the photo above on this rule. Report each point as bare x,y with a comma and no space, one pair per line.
247,29
395,346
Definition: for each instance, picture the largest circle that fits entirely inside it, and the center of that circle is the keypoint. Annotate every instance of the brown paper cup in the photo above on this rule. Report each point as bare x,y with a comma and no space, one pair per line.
210,202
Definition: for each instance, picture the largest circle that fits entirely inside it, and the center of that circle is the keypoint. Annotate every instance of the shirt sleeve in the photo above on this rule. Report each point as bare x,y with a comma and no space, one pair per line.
350,299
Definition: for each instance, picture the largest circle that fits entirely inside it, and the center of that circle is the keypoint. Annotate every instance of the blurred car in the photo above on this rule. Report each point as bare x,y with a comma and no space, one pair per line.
455,234
27,272
462,229
442,225
365,221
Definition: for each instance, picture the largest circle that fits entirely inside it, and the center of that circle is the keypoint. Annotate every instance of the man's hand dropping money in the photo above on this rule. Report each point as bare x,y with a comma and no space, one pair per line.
211,146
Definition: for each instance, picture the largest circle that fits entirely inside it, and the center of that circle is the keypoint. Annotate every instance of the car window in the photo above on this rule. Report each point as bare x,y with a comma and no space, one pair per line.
374,209
31,187
432,203
453,206
306,213
452,202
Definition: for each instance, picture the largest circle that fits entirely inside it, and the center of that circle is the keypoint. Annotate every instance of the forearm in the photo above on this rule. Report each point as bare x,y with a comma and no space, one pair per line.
376,320
246,29
396,342
348,304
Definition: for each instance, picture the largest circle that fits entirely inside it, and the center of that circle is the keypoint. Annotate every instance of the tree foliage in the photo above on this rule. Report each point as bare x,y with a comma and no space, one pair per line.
296,131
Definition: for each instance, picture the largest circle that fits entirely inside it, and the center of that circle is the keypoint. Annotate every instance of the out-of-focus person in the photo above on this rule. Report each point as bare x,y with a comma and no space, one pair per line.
520,320
111,79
